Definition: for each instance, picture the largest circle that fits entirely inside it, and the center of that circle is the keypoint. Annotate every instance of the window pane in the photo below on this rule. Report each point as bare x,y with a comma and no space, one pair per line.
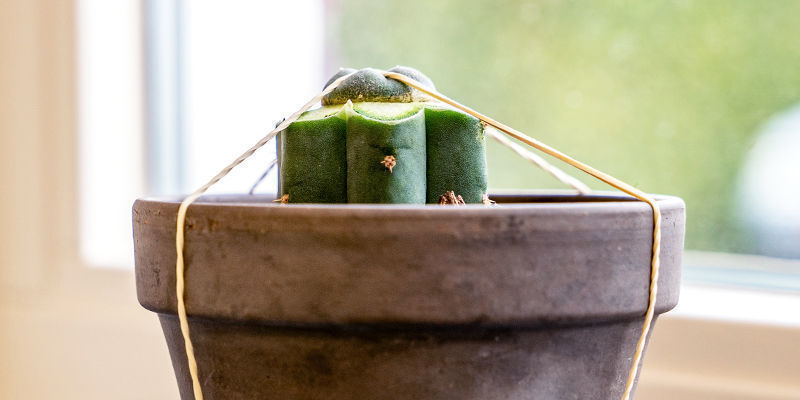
248,64
110,128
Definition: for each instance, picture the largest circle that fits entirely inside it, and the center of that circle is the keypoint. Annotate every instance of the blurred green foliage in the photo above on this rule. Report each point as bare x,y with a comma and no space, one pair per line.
665,95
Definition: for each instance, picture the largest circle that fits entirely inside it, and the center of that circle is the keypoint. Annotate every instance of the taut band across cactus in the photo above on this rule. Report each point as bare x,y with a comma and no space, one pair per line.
395,94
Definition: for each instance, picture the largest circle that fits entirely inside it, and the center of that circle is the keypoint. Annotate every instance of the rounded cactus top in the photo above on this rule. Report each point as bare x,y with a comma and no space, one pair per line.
369,85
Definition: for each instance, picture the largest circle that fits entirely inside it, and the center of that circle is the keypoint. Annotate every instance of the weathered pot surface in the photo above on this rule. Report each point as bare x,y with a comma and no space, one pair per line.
540,297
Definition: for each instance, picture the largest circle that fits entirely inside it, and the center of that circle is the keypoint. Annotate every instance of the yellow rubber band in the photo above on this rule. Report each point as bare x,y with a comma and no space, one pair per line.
536,160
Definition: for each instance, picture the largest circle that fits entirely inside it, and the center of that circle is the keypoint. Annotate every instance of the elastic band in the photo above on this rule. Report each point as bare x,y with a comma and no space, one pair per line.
536,160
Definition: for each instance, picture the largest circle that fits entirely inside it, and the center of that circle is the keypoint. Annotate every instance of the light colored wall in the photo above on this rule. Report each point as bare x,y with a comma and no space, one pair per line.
66,331
71,332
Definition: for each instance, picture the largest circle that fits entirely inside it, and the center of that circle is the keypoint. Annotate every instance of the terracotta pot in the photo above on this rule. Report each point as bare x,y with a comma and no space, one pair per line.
541,297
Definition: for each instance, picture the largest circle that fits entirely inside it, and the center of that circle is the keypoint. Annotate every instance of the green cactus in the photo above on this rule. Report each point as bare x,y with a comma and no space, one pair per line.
377,140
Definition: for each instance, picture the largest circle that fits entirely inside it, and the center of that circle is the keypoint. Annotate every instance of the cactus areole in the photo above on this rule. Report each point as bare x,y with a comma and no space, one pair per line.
377,140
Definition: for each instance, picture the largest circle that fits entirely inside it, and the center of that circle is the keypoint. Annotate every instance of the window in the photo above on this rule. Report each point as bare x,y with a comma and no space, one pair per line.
694,121
615,90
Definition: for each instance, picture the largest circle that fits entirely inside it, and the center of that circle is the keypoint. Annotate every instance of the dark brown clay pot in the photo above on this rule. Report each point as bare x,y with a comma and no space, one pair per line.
540,297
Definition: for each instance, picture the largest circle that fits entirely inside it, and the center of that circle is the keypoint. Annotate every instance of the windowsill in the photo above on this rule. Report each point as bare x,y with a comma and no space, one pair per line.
740,305
733,335
740,288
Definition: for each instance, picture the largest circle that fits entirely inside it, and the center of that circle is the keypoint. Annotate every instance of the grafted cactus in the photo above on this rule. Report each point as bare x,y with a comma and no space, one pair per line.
377,140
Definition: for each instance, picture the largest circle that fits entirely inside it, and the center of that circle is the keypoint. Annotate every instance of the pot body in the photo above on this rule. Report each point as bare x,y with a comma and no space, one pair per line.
541,297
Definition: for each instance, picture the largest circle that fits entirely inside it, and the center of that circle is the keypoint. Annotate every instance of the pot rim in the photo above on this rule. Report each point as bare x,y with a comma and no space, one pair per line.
507,265
516,198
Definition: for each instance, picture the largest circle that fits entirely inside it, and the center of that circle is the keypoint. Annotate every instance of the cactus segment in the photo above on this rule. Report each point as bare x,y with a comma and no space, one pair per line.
386,153
377,140
312,154
456,155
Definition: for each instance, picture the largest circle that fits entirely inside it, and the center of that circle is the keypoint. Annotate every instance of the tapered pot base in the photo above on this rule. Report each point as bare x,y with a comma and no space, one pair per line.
245,362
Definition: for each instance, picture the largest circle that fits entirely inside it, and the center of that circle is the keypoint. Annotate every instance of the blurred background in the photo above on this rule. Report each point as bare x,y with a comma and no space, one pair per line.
102,102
